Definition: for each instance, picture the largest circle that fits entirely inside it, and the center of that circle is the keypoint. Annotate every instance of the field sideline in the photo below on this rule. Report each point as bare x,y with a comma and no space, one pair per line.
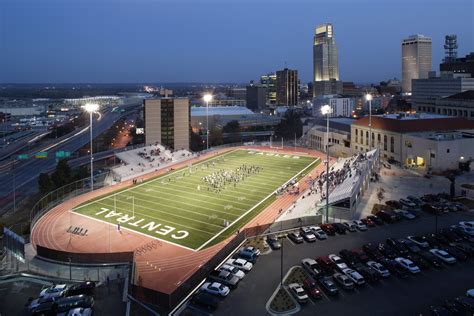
181,208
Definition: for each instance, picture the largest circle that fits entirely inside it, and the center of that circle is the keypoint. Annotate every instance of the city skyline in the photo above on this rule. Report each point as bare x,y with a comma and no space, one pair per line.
96,42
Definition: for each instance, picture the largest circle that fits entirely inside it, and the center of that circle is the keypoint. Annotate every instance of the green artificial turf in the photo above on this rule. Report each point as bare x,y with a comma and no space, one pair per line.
178,207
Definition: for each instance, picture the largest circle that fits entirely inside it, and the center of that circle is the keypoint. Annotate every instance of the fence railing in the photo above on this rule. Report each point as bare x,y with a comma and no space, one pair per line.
64,193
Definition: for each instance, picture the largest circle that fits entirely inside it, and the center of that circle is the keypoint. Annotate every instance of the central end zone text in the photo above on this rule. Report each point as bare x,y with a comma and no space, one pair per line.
142,223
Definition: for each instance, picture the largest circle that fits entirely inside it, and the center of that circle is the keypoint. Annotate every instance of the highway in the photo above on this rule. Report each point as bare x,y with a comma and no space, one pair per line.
26,172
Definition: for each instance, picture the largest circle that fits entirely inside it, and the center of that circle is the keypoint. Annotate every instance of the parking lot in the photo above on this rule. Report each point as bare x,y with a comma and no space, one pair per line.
15,293
393,296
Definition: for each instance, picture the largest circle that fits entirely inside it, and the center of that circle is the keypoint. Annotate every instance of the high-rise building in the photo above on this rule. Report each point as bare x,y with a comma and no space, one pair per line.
287,87
325,60
459,66
167,122
416,59
269,82
256,97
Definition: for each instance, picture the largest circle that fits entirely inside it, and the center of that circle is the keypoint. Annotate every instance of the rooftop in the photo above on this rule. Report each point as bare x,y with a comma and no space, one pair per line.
416,123
466,95
221,110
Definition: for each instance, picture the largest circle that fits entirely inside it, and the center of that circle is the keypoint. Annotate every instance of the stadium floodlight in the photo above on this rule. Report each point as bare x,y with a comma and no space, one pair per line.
91,108
326,110
368,97
207,98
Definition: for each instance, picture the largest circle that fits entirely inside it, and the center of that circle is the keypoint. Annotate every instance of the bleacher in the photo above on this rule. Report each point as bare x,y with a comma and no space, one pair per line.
347,177
146,159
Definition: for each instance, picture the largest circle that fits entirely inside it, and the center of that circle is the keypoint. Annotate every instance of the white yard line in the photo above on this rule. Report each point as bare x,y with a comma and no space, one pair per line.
135,231
243,215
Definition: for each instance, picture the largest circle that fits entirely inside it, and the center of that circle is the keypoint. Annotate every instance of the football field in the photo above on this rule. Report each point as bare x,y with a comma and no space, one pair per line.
201,204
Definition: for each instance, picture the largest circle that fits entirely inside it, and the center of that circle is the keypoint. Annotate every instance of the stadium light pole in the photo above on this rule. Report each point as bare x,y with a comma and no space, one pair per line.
326,110
368,97
207,98
91,108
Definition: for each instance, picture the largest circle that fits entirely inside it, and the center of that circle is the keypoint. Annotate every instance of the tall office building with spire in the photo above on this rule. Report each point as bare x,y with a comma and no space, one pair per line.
325,61
416,60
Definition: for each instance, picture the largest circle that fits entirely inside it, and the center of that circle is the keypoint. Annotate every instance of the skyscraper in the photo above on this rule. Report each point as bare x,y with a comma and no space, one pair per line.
167,122
416,59
269,82
325,61
287,87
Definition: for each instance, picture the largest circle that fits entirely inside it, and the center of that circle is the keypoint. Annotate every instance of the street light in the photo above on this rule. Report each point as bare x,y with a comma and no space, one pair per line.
91,108
207,98
368,97
327,110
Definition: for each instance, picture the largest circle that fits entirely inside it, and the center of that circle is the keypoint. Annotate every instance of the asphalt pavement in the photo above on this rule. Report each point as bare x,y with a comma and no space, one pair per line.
390,297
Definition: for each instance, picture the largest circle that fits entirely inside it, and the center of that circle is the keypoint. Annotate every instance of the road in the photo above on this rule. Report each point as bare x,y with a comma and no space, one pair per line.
393,296
26,172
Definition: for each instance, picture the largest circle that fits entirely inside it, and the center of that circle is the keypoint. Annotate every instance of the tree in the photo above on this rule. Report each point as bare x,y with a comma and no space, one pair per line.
62,175
290,125
196,141
215,136
233,129
45,184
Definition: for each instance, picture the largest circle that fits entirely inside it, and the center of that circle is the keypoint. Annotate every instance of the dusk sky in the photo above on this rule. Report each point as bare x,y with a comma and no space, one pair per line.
116,41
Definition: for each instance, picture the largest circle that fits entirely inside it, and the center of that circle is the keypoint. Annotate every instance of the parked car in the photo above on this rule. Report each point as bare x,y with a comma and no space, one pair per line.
328,229
431,240
394,204
467,249
341,265
249,251
418,260
215,288
467,303
408,204
372,251
468,224
374,218
456,253
355,276
312,267
340,228
298,292
394,268
404,214
368,273
408,265
432,259
295,237
328,285
470,293
379,268
443,255
387,251
80,311
450,235
205,300
57,290
411,246
273,242
318,232
361,255
415,200
367,222
86,288
224,277
344,281
350,226
240,264
235,271
397,246
360,226
387,216
419,242
326,264
307,234
349,257
432,209
310,286
247,256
